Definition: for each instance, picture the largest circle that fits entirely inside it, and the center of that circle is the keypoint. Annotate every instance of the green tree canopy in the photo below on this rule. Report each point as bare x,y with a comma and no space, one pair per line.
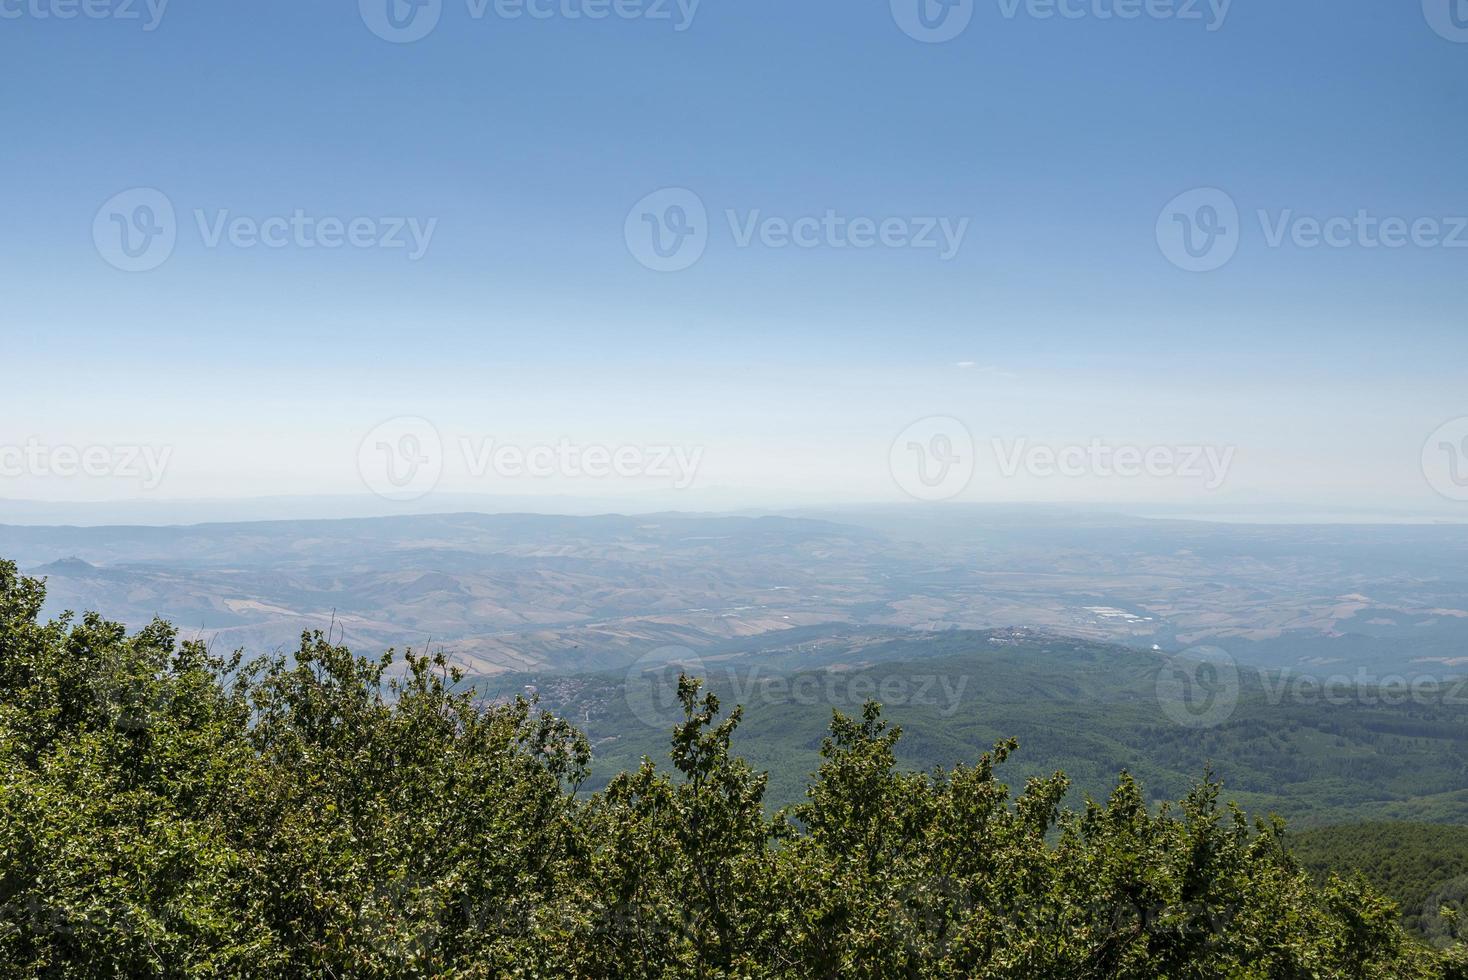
168,813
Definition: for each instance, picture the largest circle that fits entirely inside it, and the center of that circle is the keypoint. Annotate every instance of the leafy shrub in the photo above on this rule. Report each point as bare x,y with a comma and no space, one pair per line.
167,813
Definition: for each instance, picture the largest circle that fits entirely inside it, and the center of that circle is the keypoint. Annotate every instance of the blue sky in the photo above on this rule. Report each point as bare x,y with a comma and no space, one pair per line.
528,319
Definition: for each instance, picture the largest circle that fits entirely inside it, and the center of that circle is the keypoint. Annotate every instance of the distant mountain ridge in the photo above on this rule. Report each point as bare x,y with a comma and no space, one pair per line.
1088,708
578,593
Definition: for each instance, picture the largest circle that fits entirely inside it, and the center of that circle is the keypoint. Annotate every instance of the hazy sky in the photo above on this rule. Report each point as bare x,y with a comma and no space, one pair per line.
1047,160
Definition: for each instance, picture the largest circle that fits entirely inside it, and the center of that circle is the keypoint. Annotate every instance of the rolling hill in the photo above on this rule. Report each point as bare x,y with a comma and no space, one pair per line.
1088,708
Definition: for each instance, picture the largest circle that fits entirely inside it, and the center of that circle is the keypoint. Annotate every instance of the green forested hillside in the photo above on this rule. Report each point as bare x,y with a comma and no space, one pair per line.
168,813
1419,866
1090,709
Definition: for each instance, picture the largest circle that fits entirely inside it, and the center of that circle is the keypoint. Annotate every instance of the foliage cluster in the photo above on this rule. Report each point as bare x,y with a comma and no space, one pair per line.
167,813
